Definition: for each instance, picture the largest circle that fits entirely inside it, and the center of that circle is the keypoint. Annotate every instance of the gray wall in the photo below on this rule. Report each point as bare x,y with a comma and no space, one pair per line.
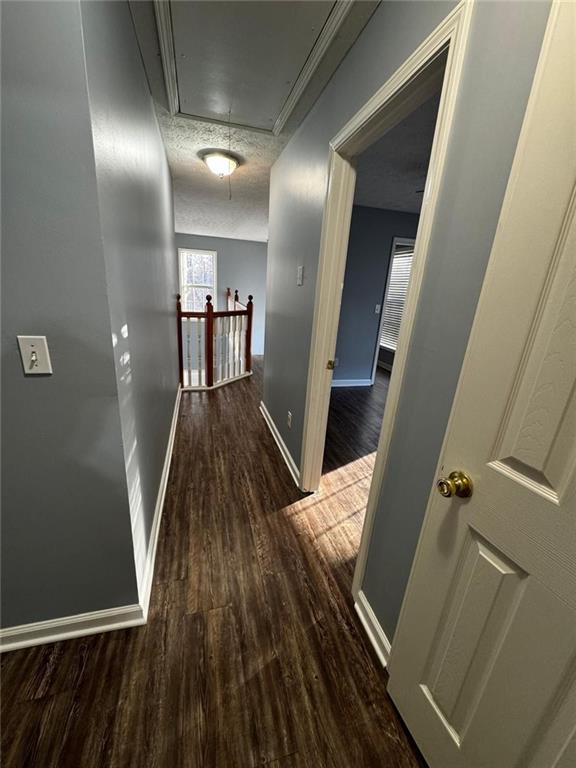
87,249
241,264
297,194
66,539
504,46
372,231
135,199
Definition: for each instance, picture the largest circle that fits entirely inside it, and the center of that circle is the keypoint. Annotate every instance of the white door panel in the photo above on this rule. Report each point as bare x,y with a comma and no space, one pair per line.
483,665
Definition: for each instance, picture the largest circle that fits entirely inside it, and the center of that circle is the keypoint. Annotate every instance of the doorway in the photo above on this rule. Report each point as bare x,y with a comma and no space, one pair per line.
390,180
436,66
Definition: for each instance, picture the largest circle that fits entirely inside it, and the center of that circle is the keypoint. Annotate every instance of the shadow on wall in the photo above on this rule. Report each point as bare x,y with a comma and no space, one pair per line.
80,558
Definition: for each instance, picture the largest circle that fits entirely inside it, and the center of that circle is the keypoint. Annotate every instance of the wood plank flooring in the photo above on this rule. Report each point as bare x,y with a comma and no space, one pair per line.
253,654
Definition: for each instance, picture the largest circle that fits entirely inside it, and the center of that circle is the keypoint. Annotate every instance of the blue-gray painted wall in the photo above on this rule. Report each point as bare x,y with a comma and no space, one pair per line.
505,40
241,264
137,226
372,231
87,247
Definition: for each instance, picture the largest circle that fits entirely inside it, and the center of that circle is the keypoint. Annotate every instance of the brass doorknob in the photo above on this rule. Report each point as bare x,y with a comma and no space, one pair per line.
456,484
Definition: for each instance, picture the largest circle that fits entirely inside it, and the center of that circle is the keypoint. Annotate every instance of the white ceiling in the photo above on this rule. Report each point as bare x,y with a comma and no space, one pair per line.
256,65
392,172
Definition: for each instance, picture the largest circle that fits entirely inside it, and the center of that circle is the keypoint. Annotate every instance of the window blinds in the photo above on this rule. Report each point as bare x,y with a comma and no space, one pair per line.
396,295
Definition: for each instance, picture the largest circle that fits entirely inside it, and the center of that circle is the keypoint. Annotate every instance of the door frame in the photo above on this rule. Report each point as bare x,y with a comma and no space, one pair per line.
395,241
421,75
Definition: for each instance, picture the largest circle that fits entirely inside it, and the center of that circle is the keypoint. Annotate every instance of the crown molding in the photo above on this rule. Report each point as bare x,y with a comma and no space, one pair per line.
340,16
163,17
336,18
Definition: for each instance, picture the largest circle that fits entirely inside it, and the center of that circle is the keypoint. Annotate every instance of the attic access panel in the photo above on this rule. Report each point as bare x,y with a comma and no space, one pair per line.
243,56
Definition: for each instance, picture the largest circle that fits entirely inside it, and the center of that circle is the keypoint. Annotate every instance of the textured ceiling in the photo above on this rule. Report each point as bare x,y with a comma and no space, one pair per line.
201,200
392,172
243,57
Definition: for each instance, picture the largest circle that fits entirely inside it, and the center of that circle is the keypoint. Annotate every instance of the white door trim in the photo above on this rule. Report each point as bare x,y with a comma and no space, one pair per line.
416,80
506,707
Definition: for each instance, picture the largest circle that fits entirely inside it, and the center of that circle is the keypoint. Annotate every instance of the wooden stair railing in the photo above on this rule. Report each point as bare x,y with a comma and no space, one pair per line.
233,302
214,348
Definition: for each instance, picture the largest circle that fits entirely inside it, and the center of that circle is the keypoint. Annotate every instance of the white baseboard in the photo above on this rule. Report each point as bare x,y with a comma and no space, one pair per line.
352,382
294,471
145,582
68,627
95,622
375,633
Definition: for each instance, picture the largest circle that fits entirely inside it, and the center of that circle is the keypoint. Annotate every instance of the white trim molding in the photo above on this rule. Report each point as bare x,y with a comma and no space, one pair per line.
452,35
436,65
344,23
373,628
352,382
145,581
286,455
94,622
52,631
329,284
336,18
163,16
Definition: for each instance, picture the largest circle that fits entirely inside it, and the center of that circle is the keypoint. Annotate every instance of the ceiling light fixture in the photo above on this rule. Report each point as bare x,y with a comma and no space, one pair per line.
220,163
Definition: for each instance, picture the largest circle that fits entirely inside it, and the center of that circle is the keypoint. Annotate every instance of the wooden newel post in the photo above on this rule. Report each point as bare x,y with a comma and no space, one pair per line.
180,351
229,299
209,342
249,308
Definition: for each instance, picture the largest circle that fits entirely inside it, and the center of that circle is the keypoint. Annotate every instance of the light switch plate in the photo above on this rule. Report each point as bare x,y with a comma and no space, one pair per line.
35,355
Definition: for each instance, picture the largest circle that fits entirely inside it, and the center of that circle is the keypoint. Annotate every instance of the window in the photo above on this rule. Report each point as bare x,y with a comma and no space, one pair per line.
197,278
396,288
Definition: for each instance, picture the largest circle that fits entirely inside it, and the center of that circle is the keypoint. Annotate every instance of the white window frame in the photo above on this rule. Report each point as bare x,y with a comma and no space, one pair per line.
404,241
212,290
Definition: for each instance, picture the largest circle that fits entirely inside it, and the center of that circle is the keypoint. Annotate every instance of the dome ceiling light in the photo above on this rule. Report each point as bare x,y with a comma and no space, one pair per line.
220,163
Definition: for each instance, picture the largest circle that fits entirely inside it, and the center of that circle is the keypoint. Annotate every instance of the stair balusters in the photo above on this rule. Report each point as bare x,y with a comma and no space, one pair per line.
214,348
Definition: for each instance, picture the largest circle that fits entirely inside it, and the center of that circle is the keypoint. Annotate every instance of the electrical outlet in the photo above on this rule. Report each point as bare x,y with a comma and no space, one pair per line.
289,420
300,276
377,309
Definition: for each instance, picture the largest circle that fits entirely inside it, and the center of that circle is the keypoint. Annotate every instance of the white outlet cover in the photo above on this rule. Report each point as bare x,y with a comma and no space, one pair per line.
35,355
300,276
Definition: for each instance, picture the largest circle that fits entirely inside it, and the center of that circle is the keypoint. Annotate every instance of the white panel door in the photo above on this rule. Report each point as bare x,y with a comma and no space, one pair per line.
483,665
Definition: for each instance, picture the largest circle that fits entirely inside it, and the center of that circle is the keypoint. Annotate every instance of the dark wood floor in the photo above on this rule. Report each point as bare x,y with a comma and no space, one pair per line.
253,654
354,423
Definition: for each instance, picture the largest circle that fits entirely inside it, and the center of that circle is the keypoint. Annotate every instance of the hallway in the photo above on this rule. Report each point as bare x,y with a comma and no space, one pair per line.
253,654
